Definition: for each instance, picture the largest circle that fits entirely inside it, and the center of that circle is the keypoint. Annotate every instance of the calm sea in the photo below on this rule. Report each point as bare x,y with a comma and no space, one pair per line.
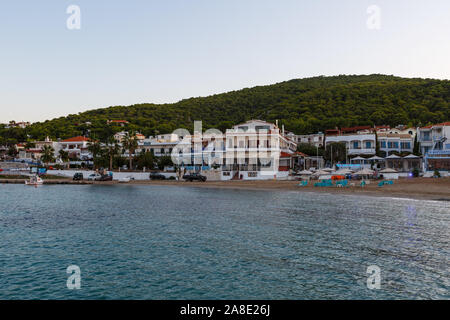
162,242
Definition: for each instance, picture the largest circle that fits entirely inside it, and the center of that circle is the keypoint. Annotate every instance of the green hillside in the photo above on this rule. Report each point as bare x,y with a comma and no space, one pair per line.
302,105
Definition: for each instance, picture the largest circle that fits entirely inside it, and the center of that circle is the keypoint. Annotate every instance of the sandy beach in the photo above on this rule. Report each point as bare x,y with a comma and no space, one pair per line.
415,188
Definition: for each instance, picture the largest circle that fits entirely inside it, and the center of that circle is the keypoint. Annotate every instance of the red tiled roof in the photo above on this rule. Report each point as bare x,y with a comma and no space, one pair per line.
438,124
356,128
76,139
285,155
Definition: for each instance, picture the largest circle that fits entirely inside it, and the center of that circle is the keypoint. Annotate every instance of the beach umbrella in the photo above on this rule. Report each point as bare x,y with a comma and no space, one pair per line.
364,172
305,172
343,172
357,158
411,156
328,169
321,172
393,156
375,158
388,170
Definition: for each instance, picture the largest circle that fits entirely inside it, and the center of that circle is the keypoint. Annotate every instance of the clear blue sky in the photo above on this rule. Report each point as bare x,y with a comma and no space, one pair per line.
138,51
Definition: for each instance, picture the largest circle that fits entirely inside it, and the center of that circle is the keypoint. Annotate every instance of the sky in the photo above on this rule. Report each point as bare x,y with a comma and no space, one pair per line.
139,51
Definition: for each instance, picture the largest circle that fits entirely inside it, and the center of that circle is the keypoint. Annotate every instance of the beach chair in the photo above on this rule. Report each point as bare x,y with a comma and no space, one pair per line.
381,183
389,182
303,183
363,183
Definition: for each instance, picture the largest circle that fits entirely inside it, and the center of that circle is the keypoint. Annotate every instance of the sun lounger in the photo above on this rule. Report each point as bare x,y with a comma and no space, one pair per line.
303,183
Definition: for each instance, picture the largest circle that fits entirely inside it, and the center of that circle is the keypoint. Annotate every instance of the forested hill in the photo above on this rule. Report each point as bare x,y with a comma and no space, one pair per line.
302,105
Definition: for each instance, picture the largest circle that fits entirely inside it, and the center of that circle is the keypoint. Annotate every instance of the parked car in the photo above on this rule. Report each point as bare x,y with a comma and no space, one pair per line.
194,176
94,177
105,177
78,176
157,176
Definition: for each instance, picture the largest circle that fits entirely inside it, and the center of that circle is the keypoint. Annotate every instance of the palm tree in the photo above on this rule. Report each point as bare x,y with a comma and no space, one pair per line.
130,143
47,154
64,155
95,148
111,150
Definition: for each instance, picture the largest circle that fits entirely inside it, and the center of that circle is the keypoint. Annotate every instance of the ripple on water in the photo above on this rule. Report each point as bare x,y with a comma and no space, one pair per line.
156,242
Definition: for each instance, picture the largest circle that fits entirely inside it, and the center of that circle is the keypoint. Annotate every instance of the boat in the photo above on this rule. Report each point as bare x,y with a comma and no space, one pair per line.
34,181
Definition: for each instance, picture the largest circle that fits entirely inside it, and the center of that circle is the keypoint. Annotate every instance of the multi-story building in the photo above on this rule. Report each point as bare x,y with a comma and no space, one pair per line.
390,142
252,150
435,146
119,136
356,144
315,139
77,147
161,145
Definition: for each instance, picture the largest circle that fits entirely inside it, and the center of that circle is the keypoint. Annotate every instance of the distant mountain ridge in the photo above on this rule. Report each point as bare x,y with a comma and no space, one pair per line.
302,105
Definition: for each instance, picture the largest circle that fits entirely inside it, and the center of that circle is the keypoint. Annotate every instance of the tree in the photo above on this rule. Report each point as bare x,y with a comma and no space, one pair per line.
130,143
12,151
64,155
95,148
335,152
146,160
377,145
416,149
47,154
165,161
111,150
310,149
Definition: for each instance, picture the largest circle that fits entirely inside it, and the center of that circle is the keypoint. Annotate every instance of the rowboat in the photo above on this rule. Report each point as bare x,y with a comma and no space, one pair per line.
34,181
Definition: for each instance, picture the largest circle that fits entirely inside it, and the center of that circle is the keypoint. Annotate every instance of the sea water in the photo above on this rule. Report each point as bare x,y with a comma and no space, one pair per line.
169,242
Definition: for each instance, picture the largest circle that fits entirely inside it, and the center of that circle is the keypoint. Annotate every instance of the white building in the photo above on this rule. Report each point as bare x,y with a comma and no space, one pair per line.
435,146
356,144
390,142
77,147
315,139
250,151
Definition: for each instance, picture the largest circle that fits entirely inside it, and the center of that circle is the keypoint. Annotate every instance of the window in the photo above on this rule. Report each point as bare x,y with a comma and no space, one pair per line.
368,144
259,128
383,144
426,136
405,145
355,144
393,144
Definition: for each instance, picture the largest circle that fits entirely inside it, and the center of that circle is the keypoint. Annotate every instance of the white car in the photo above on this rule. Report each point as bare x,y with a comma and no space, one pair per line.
94,177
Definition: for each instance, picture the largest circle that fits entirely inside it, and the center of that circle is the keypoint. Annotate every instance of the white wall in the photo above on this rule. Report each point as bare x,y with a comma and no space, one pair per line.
116,175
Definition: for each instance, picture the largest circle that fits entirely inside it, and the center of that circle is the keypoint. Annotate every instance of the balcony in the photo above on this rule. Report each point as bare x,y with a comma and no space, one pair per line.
361,151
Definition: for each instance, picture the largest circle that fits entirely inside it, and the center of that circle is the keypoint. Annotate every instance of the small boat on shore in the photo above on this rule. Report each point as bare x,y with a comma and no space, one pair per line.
34,181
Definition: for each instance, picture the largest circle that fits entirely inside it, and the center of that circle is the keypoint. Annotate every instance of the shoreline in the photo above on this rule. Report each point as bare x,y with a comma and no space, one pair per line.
409,188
